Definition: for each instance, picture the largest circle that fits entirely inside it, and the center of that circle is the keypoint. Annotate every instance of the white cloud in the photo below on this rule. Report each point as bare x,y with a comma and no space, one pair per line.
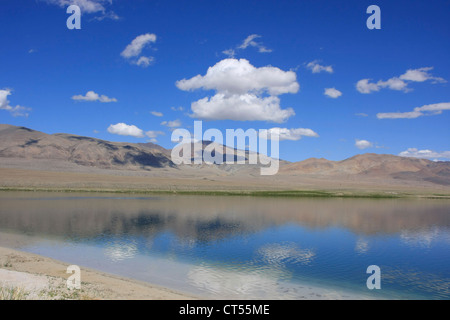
394,84
17,111
154,134
156,113
361,114
126,130
239,90
363,144
425,154
364,86
315,67
134,50
426,110
234,76
332,93
248,42
177,108
92,96
420,75
241,107
287,134
144,61
229,52
398,83
171,124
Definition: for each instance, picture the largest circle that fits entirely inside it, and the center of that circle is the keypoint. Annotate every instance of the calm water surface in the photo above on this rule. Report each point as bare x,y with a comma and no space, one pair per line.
241,247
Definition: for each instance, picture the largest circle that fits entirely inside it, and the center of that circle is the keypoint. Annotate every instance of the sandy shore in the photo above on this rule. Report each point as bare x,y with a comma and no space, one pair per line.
40,278
34,277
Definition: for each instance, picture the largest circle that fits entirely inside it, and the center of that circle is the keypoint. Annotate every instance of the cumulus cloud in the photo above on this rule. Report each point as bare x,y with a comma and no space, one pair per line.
332,93
250,41
425,154
172,124
156,113
287,134
133,51
126,130
426,110
241,107
17,111
234,76
92,96
240,88
363,144
398,83
315,67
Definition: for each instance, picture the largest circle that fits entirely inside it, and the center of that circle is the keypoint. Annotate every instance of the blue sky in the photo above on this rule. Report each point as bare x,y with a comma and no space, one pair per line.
270,64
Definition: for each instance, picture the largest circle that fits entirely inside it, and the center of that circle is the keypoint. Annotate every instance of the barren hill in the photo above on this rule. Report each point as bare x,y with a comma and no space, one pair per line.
23,149
20,142
374,165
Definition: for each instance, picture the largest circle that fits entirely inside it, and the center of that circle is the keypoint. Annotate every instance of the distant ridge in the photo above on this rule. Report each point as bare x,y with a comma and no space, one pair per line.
28,145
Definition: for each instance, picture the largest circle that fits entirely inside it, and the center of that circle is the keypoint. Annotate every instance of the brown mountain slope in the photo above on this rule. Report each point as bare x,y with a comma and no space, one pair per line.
20,142
26,147
374,165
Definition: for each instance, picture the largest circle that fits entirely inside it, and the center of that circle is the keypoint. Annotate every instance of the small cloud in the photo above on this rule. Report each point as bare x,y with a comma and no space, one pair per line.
133,51
156,113
177,108
361,114
95,131
332,93
315,67
31,51
420,75
126,130
17,111
287,134
230,53
398,83
425,154
92,96
172,124
250,41
144,61
153,134
365,86
426,110
363,144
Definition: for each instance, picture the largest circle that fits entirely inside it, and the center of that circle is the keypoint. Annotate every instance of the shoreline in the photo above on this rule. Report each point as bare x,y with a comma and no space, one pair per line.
36,277
245,193
41,278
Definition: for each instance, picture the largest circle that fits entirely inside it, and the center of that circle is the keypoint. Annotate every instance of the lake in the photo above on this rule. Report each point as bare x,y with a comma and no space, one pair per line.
231,247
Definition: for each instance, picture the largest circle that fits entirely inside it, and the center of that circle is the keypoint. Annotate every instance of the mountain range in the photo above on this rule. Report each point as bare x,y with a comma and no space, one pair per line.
27,149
